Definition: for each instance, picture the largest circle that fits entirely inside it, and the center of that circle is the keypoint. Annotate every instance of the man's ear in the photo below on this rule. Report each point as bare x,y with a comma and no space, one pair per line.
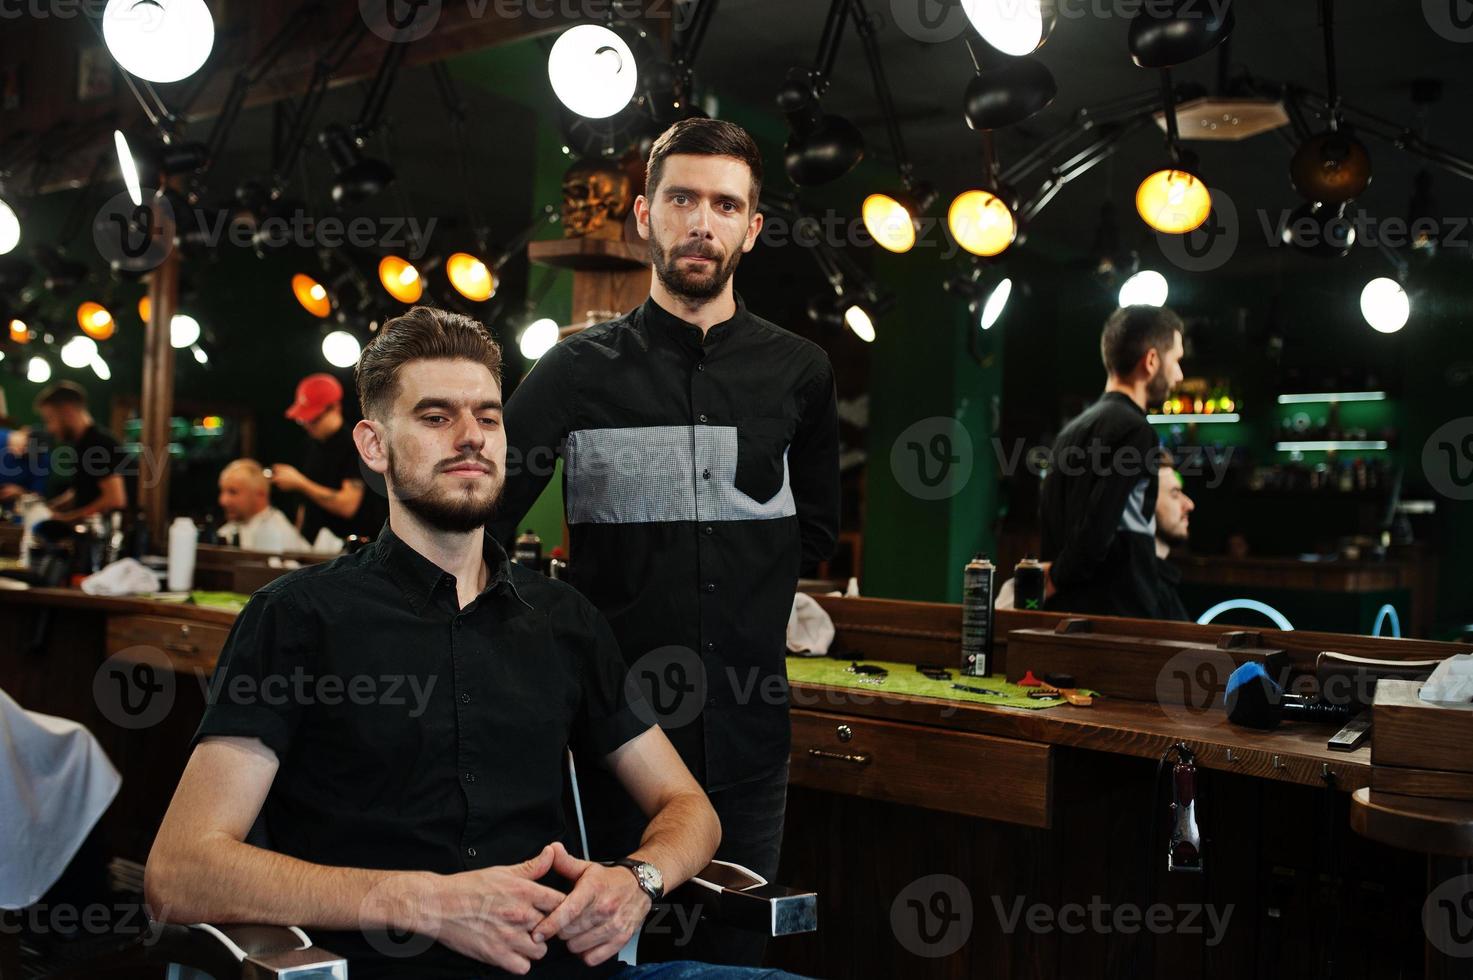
642,216
1151,362
754,228
372,440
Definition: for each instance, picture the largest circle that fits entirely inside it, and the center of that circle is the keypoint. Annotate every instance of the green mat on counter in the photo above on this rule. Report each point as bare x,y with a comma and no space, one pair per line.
233,601
905,679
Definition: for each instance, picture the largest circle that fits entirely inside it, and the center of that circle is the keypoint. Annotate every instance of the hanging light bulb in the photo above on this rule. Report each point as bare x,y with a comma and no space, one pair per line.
401,279
95,321
9,228
78,352
1146,288
1385,305
38,370
981,222
312,295
1173,201
199,353
129,168
159,40
100,368
341,349
997,301
470,277
1014,27
592,71
857,319
893,218
538,338
184,330
145,307
20,333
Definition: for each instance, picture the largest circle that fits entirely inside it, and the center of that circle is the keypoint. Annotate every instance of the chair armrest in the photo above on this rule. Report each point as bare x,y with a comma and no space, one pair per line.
747,901
249,952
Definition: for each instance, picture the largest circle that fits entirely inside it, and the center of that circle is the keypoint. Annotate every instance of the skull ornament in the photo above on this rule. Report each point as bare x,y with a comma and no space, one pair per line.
597,195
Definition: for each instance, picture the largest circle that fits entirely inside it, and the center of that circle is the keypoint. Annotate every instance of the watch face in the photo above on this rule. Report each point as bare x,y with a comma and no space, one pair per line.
650,877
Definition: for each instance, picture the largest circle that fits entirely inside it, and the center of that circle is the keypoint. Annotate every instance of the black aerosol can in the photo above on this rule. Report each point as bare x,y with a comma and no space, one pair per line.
1028,584
977,617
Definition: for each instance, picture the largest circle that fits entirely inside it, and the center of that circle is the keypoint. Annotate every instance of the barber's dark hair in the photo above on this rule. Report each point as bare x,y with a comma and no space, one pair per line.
705,137
61,393
1133,330
420,334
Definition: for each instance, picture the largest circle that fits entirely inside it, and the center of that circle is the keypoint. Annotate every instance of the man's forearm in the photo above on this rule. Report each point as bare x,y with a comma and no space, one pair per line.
335,502
221,880
681,838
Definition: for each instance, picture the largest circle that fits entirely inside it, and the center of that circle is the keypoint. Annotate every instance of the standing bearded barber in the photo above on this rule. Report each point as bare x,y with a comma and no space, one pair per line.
700,472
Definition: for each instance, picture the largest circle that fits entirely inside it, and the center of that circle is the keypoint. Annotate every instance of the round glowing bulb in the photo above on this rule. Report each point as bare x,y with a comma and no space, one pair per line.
859,321
538,338
145,308
341,349
1385,305
981,223
159,40
1173,201
38,370
996,301
1145,288
592,71
1014,27
78,352
100,368
20,333
470,276
9,229
129,168
95,321
889,223
312,295
184,330
199,354
401,279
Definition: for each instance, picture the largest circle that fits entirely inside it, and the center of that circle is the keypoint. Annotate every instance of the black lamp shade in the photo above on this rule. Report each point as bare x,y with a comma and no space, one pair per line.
1332,167
361,181
825,153
1321,230
1163,37
1008,94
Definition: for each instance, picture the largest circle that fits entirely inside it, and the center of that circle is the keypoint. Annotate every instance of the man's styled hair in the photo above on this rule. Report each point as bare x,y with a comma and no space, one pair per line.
420,334
59,394
705,137
1133,330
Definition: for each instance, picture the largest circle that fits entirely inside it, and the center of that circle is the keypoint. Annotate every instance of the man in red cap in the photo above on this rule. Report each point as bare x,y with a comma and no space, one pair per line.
331,479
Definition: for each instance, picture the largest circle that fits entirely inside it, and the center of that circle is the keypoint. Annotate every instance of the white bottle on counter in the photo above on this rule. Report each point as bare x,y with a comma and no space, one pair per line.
33,511
183,541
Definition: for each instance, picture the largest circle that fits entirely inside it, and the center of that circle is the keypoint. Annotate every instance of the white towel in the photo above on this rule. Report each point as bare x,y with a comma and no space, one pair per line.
810,630
1451,683
126,576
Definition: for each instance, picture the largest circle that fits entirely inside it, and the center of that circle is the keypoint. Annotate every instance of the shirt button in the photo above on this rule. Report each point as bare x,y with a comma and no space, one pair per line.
470,777
465,699
710,586
470,852
708,529
710,702
700,418
700,367
710,648
705,474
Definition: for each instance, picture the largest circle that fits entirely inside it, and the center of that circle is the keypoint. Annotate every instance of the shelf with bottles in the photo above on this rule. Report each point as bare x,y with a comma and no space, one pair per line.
1197,401
1350,421
1369,476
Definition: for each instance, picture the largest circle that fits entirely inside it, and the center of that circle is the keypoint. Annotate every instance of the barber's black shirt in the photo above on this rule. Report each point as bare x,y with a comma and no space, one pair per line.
329,463
81,466
1098,512
698,474
416,735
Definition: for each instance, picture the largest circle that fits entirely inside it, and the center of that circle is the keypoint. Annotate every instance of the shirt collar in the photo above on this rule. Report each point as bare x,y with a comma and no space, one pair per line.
1124,399
667,324
419,577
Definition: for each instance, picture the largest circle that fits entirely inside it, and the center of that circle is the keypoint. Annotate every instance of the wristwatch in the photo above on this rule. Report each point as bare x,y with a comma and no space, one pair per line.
651,882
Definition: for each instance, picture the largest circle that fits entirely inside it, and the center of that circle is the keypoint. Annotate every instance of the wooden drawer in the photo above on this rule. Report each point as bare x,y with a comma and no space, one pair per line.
957,772
188,645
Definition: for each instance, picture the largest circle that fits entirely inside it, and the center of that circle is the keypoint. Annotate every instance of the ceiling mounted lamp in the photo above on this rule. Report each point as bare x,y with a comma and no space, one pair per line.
538,337
341,349
78,352
159,40
401,279
983,220
95,321
1146,288
850,311
1385,305
356,178
9,228
1164,35
145,307
477,279
1007,94
1014,27
38,370
820,147
1174,200
19,331
1332,166
593,70
184,331
986,294
470,276
1321,230
1421,223
100,368
312,295
1111,257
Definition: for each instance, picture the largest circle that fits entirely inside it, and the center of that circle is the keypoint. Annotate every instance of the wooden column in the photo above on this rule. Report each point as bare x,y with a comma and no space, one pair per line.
158,396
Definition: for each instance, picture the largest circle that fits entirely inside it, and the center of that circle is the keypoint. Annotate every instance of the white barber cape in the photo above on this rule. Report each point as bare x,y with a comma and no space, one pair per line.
270,530
55,782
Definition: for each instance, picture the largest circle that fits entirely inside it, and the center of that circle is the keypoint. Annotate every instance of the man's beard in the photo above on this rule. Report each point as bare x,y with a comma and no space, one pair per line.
1172,539
451,511
1157,389
692,285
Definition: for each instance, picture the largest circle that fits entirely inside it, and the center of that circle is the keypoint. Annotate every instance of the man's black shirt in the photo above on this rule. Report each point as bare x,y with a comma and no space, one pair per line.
1098,512
329,463
699,473
82,465
413,734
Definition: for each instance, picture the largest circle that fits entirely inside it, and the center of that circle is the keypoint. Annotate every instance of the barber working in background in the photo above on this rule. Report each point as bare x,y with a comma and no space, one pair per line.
1098,502
700,454
330,478
84,456
251,522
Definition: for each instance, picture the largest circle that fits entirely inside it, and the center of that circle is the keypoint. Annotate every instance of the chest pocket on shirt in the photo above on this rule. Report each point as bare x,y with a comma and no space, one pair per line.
761,444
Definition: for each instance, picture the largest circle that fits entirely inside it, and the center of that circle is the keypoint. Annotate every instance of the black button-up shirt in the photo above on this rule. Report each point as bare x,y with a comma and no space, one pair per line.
416,735
698,474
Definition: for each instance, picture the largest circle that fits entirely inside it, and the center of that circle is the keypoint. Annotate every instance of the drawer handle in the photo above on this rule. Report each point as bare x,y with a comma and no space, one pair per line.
858,758
181,647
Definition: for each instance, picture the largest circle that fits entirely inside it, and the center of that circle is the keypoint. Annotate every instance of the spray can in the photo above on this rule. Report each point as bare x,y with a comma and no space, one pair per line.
977,617
1028,584
527,550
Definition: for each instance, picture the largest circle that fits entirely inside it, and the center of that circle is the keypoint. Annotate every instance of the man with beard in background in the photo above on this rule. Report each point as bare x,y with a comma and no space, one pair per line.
1098,502
1173,513
700,472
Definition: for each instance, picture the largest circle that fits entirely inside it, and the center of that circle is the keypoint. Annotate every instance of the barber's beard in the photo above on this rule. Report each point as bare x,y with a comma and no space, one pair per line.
1157,389
689,284
451,511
